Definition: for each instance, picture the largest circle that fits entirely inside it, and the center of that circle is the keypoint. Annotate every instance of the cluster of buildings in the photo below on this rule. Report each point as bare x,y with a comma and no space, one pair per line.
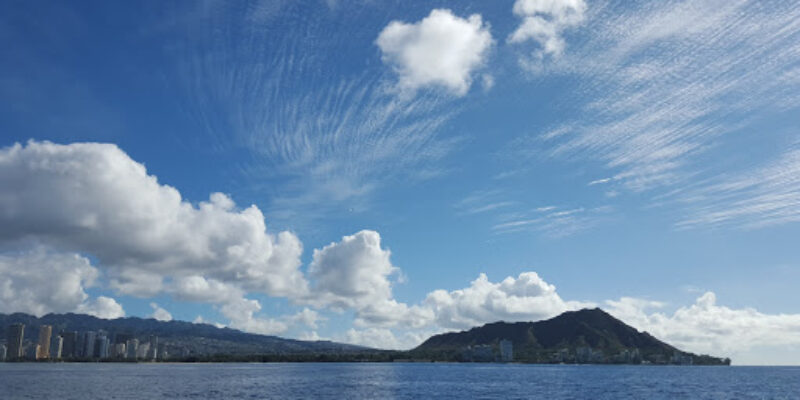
74,345
502,352
588,355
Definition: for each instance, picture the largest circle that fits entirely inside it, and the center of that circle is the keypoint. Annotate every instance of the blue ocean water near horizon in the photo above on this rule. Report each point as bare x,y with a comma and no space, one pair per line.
392,381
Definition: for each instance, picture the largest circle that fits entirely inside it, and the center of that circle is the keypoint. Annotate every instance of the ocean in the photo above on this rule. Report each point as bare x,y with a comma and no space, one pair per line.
93,381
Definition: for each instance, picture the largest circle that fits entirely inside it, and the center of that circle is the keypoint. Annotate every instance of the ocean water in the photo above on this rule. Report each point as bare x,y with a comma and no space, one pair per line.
392,381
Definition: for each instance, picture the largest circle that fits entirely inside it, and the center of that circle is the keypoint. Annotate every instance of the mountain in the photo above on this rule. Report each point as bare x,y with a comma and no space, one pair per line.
181,339
585,336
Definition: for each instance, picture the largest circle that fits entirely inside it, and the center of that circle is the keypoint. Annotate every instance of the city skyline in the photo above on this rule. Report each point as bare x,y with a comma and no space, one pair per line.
80,346
377,173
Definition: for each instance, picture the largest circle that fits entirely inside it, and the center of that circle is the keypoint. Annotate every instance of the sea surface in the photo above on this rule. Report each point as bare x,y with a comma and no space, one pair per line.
93,381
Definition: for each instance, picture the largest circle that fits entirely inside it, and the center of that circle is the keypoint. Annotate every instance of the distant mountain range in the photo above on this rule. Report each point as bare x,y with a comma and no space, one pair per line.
585,336
182,339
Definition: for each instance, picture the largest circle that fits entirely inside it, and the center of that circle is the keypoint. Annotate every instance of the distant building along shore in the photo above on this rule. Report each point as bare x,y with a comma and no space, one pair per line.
73,345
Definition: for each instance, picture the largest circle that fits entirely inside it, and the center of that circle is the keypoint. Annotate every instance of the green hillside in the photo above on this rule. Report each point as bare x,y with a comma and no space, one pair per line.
585,336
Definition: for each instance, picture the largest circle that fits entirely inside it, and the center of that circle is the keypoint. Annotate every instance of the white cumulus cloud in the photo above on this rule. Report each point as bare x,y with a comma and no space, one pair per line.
355,273
232,302
159,313
380,338
102,307
544,21
525,298
242,314
307,317
196,288
92,198
440,50
39,281
706,327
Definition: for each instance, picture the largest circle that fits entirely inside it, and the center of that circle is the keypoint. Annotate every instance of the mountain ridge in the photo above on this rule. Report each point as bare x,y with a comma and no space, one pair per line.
582,336
181,337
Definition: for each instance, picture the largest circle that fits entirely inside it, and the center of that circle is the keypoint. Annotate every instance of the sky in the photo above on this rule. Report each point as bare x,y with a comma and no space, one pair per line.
375,172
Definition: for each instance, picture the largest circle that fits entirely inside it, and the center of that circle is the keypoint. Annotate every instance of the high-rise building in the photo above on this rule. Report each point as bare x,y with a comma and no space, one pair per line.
102,346
132,347
162,352
31,352
2,352
120,345
43,351
119,350
69,346
89,342
98,344
80,345
16,333
153,354
56,347
107,350
143,351
506,351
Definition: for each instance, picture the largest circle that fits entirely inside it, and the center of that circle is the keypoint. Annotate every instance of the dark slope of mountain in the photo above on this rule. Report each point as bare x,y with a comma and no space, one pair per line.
181,338
585,336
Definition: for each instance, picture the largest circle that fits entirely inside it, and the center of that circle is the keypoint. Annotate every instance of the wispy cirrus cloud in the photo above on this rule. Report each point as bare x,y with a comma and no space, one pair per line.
552,221
321,134
510,215
484,201
762,196
662,85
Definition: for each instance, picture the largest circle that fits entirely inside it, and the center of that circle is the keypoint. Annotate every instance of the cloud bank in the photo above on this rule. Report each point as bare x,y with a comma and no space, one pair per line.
66,200
38,281
91,197
525,298
709,328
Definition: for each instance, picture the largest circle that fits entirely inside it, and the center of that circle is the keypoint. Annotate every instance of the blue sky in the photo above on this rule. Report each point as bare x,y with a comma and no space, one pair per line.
639,156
